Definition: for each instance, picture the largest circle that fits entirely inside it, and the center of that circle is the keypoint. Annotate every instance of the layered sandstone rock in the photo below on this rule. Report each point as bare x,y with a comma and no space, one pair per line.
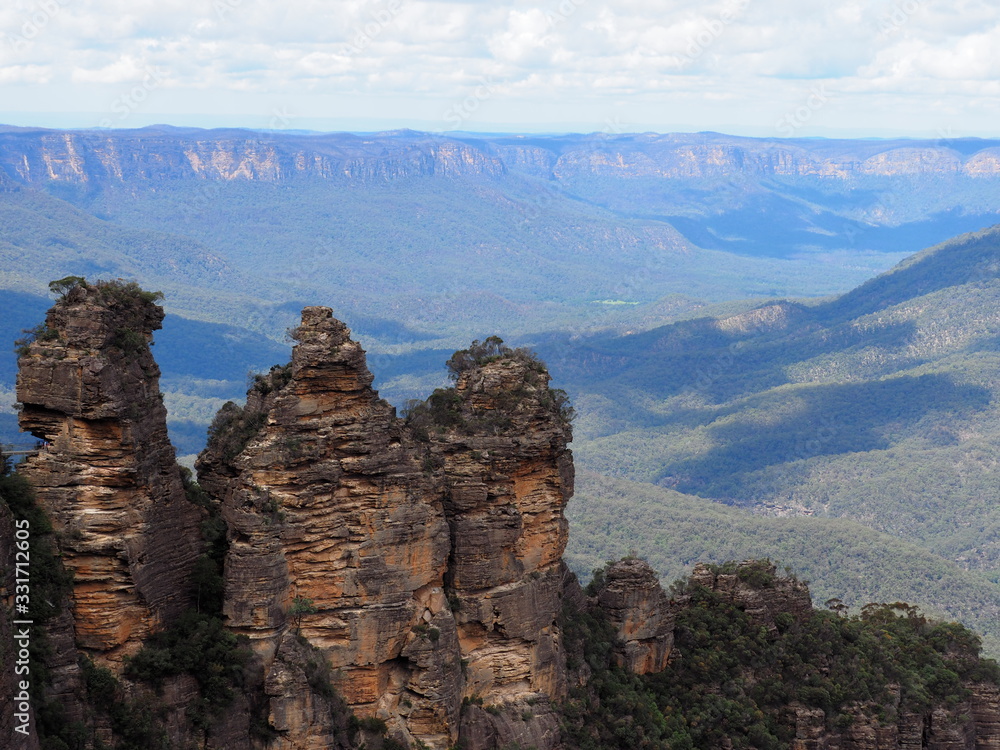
986,712
640,611
328,502
424,561
108,478
508,475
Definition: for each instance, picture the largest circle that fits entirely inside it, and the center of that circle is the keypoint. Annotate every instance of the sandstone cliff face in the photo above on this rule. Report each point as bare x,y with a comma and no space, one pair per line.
640,611
508,476
432,558
755,587
108,479
39,156
966,726
328,502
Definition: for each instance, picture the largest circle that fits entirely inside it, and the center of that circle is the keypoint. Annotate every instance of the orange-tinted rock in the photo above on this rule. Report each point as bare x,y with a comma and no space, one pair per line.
433,560
328,501
508,476
108,479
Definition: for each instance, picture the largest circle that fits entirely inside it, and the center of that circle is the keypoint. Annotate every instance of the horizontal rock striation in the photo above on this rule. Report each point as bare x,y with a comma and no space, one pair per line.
508,474
338,537
107,477
421,558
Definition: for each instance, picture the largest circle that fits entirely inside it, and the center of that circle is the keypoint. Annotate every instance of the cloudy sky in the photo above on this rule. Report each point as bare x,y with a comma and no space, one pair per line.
923,68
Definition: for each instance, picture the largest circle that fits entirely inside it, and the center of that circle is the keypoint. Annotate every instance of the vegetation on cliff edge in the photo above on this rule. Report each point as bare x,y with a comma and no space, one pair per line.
733,681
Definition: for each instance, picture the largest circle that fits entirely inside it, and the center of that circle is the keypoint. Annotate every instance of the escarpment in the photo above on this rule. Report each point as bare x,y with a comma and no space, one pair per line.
107,475
398,582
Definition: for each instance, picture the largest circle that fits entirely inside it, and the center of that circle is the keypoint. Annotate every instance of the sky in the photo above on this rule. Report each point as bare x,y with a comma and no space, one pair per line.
916,68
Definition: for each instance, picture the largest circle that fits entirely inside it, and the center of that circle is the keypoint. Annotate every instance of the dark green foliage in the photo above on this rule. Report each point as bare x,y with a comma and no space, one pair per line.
370,724
199,645
50,583
273,380
207,577
119,292
731,681
64,285
318,675
41,332
135,723
233,427
130,341
445,410
301,606
440,412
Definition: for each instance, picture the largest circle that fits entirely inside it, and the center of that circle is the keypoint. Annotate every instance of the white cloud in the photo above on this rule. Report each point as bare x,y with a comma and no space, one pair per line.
757,53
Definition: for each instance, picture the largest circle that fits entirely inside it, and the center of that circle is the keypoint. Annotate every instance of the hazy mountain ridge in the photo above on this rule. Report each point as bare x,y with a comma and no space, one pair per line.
758,196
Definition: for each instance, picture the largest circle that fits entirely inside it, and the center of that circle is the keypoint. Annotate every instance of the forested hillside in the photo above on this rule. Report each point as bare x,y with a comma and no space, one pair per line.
879,408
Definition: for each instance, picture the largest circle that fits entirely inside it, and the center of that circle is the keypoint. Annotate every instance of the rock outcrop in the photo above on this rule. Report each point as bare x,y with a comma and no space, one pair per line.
337,537
755,587
406,570
508,474
422,559
968,725
637,606
107,477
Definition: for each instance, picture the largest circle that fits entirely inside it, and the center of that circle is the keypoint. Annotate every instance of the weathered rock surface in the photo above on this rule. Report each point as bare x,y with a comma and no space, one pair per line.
108,479
755,587
957,728
986,712
638,607
413,567
328,502
432,558
508,475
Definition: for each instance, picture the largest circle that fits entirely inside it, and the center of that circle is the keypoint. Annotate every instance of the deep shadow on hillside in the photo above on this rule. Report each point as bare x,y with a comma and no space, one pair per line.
828,420
966,259
696,355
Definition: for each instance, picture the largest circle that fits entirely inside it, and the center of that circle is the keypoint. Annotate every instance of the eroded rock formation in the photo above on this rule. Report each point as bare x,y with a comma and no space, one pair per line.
338,537
107,477
640,611
408,570
422,559
508,475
